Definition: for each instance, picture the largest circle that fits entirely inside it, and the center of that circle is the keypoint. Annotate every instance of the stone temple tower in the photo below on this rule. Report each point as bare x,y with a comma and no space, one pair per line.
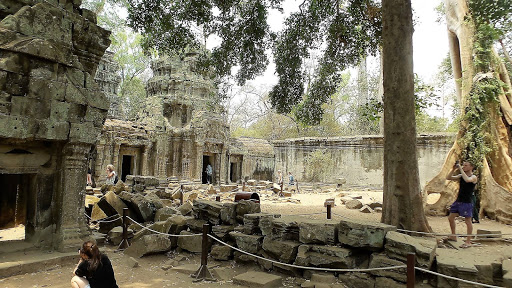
184,104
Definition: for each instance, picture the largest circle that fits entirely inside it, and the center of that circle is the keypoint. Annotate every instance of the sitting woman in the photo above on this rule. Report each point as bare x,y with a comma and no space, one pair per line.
111,175
94,269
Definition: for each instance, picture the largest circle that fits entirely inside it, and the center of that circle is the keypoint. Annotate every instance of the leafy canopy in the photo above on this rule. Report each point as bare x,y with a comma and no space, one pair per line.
344,30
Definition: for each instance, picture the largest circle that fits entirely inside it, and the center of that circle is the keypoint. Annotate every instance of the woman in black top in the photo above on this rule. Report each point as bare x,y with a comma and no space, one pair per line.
94,269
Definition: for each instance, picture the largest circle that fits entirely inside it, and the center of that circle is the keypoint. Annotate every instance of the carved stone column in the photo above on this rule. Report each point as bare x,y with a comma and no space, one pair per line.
115,157
71,227
199,162
144,171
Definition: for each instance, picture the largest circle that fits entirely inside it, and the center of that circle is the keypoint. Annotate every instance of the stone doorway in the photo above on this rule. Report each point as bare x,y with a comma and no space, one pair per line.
235,169
13,205
126,167
207,160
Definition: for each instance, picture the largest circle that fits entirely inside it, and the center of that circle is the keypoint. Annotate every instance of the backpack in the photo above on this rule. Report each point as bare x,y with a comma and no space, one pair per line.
116,179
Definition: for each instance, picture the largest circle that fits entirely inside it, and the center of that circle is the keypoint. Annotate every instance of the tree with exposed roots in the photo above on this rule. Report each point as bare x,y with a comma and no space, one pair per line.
485,93
344,30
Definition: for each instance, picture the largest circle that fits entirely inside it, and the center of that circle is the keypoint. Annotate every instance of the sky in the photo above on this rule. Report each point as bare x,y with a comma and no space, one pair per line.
430,40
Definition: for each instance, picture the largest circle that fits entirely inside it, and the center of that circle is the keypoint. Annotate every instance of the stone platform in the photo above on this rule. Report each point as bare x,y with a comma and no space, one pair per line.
16,263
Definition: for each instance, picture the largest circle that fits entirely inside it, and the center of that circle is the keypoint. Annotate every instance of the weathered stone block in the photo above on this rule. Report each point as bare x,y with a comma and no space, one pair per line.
227,188
247,243
163,213
383,282
115,236
357,280
228,213
221,253
398,245
363,234
381,260
313,231
149,244
222,231
191,243
354,204
246,207
284,251
507,273
330,257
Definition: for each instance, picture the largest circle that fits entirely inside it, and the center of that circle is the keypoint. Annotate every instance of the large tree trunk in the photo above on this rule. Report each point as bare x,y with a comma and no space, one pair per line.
403,205
496,179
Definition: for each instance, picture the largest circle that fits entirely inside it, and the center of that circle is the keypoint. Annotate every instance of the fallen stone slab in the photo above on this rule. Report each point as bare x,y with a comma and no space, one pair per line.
258,279
398,245
366,209
228,187
363,234
323,277
149,244
186,269
482,266
354,204
383,282
252,222
163,213
115,236
246,207
223,273
483,232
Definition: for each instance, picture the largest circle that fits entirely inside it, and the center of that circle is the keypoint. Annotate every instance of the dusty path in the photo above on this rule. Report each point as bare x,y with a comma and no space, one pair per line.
151,274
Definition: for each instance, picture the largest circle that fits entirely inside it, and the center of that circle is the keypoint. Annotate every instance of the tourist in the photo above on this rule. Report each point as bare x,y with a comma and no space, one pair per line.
279,177
209,173
94,269
89,177
111,175
290,177
462,205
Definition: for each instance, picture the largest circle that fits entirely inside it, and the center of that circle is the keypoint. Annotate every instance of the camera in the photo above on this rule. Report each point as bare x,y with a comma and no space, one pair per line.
457,162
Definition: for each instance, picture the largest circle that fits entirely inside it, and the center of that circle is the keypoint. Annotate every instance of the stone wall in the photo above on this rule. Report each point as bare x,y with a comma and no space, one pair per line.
108,79
360,159
51,112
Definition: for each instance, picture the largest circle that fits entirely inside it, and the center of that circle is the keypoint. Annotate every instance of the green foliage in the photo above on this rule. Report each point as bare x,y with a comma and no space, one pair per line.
483,99
317,165
427,124
347,29
133,98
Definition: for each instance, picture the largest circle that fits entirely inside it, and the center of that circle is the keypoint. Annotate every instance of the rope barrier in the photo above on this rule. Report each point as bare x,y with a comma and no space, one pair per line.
455,278
102,220
305,267
158,232
459,235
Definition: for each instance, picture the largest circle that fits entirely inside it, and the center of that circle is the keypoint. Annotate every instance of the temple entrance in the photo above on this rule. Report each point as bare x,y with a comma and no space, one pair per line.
235,169
207,160
13,205
126,167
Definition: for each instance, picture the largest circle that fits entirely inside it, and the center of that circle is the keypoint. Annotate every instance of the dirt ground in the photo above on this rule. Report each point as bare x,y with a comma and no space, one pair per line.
150,272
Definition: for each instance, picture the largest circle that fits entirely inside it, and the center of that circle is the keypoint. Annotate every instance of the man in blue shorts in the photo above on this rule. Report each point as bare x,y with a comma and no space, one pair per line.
463,205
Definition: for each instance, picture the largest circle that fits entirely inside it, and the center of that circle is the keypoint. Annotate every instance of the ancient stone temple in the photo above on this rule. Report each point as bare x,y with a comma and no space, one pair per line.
51,112
108,79
183,130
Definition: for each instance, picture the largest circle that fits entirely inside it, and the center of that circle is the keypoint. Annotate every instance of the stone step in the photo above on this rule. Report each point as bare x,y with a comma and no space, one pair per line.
18,263
258,279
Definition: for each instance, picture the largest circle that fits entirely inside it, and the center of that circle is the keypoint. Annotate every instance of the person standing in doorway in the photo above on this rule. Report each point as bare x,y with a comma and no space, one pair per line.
463,206
111,175
209,173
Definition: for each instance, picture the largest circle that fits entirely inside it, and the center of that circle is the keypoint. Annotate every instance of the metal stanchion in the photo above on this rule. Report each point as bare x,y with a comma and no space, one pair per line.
124,243
411,261
328,211
203,273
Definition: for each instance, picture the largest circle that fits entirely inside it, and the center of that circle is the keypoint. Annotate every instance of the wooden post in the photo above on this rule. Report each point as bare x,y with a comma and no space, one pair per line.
328,211
181,196
203,273
124,243
411,261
